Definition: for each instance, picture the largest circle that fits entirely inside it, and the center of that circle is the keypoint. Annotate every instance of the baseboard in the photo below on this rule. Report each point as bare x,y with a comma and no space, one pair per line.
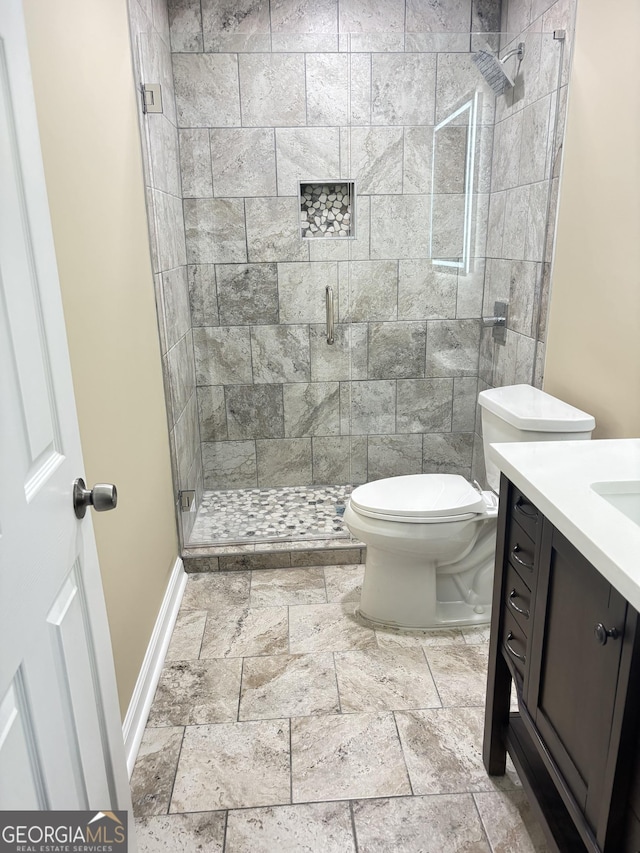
143,693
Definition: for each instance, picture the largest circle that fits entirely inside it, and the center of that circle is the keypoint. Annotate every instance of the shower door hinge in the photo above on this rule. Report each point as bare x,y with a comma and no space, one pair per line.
151,98
559,35
185,498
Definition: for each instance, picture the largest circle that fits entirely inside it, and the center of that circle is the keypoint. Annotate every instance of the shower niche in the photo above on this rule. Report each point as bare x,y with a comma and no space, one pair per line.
327,210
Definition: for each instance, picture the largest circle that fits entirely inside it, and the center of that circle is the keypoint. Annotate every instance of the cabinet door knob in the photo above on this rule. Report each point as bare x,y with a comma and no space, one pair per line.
602,634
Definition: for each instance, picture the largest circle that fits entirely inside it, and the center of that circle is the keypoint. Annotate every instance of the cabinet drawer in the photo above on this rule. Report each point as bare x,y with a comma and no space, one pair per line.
518,600
524,512
521,553
514,642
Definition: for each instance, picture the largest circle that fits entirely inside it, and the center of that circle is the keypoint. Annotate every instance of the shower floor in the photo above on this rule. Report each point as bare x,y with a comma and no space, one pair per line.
288,513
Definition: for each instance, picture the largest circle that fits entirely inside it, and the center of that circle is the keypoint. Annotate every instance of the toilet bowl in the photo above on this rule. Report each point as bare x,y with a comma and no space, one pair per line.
431,537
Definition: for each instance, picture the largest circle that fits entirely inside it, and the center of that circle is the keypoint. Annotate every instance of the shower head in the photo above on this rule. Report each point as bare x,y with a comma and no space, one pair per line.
493,70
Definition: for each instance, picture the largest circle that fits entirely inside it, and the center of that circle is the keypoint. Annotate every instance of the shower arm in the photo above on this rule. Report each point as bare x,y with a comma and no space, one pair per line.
517,51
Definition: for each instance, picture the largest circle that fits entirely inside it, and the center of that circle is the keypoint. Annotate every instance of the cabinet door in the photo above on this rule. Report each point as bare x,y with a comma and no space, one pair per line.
573,677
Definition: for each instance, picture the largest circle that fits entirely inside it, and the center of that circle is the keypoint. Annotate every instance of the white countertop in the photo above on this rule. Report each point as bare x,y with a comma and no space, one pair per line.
557,476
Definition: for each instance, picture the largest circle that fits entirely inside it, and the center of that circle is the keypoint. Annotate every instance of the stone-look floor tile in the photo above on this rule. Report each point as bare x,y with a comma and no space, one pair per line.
288,586
345,756
344,583
477,635
385,680
509,823
236,632
233,765
460,673
389,638
307,828
327,628
187,635
443,751
154,771
288,686
441,824
181,833
212,592
191,693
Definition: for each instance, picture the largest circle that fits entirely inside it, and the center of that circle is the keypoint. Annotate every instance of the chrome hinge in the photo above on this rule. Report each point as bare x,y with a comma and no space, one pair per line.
185,499
151,97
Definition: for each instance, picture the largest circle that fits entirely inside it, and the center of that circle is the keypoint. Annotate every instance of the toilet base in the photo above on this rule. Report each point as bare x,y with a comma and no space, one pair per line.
449,614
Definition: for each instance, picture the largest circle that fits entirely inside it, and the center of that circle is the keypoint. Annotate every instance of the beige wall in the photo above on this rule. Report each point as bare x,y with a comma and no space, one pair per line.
85,97
593,349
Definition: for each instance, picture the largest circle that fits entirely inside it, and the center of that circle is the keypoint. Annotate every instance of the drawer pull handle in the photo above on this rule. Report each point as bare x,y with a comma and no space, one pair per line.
602,634
513,651
519,506
519,560
512,595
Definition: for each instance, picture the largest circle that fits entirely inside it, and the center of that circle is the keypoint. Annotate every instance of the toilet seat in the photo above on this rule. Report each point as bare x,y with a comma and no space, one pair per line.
419,499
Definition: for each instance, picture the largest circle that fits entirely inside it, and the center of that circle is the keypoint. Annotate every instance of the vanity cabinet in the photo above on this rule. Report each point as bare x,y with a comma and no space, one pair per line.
569,643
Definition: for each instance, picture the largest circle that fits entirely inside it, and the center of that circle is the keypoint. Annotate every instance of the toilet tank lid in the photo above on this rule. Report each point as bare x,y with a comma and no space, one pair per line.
418,496
529,408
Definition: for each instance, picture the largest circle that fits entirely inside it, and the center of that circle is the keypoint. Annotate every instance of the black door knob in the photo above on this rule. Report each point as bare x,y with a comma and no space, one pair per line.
602,634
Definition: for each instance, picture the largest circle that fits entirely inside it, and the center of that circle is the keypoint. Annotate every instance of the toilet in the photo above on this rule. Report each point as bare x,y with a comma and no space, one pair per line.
431,537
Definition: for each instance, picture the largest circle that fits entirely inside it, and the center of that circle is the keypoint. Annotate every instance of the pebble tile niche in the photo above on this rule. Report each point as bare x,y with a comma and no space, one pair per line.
326,209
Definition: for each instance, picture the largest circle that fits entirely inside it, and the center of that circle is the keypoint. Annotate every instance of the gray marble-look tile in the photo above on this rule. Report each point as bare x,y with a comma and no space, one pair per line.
384,680
327,628
273,230
254,411
327,84
223,355
215,230
371,16
162,142
306,154
186,637
181,833
195,163
202,294
401,824
284,462
396,350
301,290
525,360
185,26
515,222
524,280
452,347
447,453
432,16
368,407
535,130
368,290
155,770
424,405
288,586
288,686
196,692
211,592
175,290
156,65
233,632
476,634
272,90
471,291
344,583
339,459
280,353
403,87
418,152
299,17
187,442
457,77
506,152
393,455
536,221
311,409
229,464
206,88
544,302
460,673
509,822
450,151
212,413
345,359
443,751
247,294
465,397
169,233
447,233
376,159
393,638
181,374
399,226
233,765
485,16
344,756
426,291
495,228
243,162
235,25
291,829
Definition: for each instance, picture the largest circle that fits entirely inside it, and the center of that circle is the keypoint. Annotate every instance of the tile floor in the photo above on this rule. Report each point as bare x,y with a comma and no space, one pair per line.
281,724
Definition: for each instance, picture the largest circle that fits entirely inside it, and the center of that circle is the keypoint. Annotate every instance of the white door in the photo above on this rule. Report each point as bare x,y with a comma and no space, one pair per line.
60,733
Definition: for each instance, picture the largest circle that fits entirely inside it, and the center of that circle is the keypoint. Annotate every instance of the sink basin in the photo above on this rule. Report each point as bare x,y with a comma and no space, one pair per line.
624,495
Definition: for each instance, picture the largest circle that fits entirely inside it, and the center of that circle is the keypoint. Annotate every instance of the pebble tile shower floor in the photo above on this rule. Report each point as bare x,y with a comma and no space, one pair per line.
281,723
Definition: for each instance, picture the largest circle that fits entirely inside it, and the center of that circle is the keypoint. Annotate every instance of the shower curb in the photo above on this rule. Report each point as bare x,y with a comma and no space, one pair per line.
282,556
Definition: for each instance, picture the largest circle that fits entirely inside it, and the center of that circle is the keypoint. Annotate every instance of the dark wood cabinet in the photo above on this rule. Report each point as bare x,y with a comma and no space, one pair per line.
569,642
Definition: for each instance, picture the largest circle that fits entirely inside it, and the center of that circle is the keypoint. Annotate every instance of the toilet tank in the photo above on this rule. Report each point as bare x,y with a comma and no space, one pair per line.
524,413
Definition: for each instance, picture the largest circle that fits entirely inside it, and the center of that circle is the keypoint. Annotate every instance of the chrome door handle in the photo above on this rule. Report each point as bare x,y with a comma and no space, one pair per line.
101,497
519,560
329,307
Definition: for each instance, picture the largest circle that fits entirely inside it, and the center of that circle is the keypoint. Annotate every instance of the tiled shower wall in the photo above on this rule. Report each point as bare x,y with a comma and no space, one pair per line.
270,94
152,63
